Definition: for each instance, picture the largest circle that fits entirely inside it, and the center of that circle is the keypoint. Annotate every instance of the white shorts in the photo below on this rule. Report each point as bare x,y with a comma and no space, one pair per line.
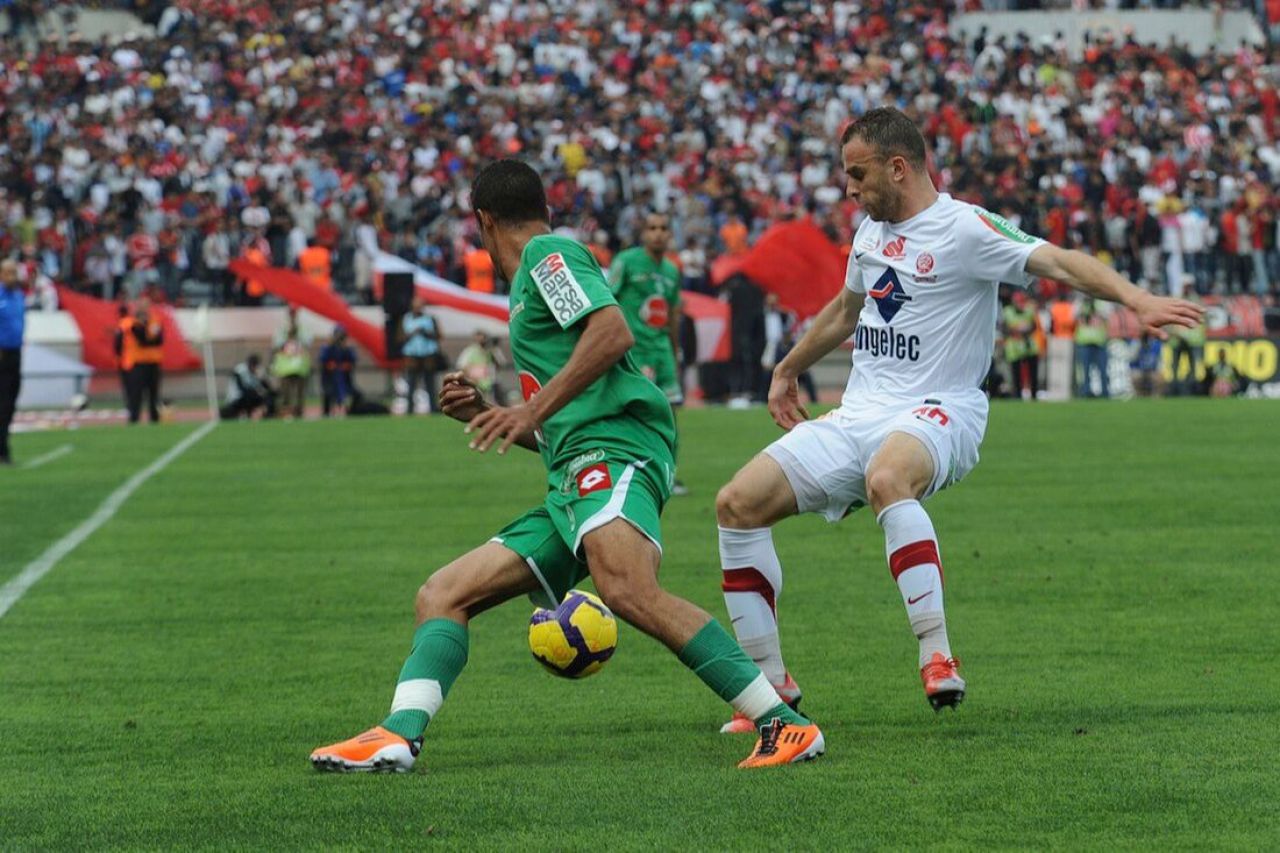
826,460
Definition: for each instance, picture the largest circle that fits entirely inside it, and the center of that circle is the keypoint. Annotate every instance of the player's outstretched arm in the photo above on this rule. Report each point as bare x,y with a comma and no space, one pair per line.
1090,275
605,339
832,327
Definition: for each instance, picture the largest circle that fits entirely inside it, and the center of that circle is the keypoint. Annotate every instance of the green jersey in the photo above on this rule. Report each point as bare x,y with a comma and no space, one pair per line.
556,286
648,292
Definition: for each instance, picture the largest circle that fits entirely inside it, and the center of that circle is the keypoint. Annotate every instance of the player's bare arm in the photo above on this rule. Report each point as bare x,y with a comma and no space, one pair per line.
461,400
605,340
832,327
1086,273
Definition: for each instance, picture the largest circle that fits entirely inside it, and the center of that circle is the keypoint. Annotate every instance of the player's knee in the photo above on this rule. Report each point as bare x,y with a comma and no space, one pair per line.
887,486
437,597
736,508
622,592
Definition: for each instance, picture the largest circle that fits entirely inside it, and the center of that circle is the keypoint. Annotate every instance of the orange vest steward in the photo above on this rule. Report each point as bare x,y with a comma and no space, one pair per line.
315,265
133,353
1063,315
252,286
479,271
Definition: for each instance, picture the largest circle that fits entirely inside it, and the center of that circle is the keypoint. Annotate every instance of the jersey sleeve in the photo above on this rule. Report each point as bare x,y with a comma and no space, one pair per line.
568,278
617,272
995,249
853,281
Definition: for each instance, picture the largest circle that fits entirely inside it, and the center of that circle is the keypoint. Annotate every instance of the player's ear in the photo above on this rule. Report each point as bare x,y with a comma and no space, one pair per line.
898,167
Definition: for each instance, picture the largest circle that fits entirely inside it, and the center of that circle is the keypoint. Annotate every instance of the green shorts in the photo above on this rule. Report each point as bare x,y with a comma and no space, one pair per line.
659,367
593,489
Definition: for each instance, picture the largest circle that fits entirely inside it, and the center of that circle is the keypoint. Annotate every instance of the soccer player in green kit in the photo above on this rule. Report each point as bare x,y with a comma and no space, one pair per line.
607,438
647,286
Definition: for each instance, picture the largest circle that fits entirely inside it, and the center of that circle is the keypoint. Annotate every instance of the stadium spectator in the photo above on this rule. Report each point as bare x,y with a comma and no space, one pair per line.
1187,345
304,121
337,369
1145,367
1021,349
12,325
1091,351
248,392
423,356
291,365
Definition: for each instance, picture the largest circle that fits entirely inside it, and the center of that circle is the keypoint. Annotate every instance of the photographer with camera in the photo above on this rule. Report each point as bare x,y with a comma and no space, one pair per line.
422,353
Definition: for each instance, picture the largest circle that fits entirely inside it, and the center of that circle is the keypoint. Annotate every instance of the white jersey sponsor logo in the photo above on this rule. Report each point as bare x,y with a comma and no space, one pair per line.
558,286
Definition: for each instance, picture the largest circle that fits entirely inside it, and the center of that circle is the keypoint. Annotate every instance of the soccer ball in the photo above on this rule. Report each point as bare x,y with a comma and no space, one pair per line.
575,639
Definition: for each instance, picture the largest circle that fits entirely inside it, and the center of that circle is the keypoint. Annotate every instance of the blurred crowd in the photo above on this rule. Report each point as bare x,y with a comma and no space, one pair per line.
251,127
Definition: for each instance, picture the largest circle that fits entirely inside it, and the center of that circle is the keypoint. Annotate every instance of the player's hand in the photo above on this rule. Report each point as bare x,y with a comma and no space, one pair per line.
1155,312
784,401
460,399
505,423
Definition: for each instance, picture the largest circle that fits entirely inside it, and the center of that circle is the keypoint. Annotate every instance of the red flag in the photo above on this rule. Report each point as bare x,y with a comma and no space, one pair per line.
296,289
711,319
795,260
97,320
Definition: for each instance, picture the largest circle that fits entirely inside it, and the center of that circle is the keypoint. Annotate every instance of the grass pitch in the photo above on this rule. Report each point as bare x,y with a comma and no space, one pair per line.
1112,586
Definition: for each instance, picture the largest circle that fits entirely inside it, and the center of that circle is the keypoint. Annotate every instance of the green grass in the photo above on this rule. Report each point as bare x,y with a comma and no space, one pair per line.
1112,589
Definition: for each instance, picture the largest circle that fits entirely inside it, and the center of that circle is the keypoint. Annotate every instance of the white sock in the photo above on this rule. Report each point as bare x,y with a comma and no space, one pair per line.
757,699
912,548
752,582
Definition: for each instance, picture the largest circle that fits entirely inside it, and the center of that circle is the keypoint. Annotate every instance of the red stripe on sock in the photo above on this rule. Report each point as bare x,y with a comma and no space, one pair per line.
749,580
922,553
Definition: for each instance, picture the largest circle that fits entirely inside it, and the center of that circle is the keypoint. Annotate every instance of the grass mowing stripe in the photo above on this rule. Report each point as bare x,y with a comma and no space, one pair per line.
17,587
46,458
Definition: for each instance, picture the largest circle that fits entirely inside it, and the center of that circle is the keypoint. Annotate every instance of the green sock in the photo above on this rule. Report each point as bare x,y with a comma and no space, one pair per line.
439,654
725,668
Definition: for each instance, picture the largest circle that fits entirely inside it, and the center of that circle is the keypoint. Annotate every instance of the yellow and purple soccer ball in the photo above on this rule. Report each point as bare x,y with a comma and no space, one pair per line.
575,639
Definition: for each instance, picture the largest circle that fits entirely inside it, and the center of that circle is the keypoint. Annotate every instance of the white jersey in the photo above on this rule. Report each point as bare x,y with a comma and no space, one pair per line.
929,322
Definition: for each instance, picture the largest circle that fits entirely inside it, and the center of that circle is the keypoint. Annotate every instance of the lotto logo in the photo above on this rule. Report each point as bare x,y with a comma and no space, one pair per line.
593,479
561,290
896,250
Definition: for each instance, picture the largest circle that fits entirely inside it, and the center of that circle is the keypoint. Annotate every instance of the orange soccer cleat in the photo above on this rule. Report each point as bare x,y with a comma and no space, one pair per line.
785,743
943,686
740,725
376,750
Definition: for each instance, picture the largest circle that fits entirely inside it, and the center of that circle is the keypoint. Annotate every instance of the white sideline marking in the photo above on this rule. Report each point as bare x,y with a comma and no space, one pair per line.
42,565
56,453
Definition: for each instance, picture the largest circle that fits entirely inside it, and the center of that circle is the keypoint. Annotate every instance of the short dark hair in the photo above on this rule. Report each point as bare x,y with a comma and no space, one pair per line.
890,132
511,192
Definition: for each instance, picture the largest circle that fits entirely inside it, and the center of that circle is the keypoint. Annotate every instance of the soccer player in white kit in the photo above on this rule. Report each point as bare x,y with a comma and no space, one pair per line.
920,301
